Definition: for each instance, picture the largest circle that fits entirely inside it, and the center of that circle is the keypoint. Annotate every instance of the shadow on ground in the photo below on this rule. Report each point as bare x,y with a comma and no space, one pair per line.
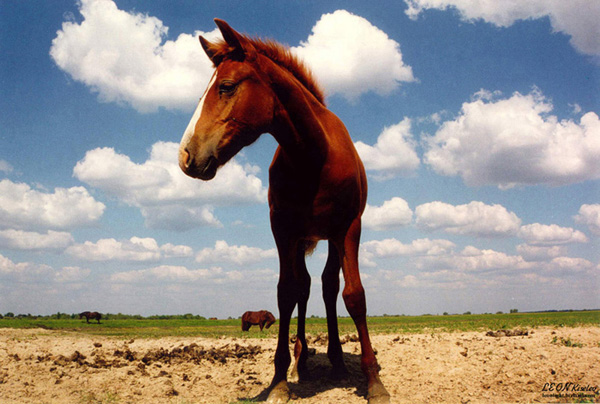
319,380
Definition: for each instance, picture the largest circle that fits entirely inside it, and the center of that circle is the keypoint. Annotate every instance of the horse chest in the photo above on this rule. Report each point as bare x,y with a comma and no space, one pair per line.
316,210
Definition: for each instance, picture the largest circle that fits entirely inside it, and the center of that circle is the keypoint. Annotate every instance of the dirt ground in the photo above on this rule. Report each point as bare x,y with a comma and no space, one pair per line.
541,365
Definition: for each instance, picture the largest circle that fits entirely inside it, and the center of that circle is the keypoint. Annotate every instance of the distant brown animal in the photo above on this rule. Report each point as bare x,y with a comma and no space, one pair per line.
261,318
94,315
213,318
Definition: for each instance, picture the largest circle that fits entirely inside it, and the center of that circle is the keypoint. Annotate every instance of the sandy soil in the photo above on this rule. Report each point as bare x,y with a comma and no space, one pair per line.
40,366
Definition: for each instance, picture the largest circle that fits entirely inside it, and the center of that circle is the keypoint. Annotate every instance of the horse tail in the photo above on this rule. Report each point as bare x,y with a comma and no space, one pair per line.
309,246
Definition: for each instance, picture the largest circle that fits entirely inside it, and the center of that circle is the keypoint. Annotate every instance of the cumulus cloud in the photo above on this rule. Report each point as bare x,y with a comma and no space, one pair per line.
472,259
27,240
387,248
514,141
136,249
238,255
570,265
126,58
23,271
171,273
443,279
22,207
589,215
540,253
180,274
392,214
475,219
576,18
350,56
167,198
176,251
393,154
71,274
32,273
542,234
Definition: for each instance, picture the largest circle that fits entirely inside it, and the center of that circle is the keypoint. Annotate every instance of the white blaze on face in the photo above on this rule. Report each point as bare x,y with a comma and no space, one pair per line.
189,131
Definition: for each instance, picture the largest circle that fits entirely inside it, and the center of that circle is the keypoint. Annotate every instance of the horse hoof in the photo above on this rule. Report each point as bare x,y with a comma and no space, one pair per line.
378,394
294,376
280,394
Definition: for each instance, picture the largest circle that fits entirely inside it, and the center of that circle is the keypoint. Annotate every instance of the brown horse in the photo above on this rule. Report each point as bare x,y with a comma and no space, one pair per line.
94,315
261,318
317,184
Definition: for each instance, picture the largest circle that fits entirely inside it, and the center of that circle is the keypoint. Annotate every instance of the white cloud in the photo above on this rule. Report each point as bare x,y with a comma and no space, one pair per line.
570,265
5,166
25,240
239,255
71,274
472,259
392,214
125,57
350,56
393,154
443,279
540,253
515,141
135,249
22,271
166,197
576,18
172,274
24,208
542,234
589,215
170,250
394,248
475,218
169,273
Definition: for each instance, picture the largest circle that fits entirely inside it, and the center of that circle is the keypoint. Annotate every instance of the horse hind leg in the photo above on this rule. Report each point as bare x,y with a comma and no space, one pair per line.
331,286
354,298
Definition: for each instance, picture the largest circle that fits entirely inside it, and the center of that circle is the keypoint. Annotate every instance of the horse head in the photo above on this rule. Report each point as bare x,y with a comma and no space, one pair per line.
236,108
270,320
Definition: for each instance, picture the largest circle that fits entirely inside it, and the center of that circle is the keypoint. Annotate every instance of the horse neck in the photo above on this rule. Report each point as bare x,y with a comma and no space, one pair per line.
299,121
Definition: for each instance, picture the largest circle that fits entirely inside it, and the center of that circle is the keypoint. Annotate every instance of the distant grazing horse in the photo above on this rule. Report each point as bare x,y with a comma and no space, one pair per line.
94,315
261,318
317,185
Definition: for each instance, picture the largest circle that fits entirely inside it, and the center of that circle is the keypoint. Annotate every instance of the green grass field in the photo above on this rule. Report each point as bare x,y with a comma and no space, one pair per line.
156,328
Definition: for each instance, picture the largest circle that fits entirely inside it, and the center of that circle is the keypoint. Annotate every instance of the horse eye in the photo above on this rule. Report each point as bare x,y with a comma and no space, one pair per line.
227,87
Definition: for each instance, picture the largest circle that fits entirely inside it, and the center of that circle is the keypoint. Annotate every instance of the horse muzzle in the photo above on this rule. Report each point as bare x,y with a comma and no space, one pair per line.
204,169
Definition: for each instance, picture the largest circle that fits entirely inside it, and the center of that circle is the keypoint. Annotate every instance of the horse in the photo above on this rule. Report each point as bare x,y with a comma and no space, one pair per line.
263,319
317,186
94,315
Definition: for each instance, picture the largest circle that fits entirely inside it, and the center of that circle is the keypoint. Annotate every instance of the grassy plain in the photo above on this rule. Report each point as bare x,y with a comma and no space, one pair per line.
157,328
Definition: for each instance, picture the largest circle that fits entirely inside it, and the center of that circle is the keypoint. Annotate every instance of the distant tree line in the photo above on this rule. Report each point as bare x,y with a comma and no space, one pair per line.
118,316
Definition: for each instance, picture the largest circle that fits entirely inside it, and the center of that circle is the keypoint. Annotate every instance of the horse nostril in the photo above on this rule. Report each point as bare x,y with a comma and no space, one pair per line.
186,158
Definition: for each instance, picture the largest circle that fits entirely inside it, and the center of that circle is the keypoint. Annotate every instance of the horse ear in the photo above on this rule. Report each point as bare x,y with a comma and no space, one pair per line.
210,49
238,42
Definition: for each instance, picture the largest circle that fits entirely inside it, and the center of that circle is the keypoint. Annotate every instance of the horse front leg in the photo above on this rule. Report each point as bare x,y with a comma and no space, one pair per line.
287,297
331,286
354,298
299,370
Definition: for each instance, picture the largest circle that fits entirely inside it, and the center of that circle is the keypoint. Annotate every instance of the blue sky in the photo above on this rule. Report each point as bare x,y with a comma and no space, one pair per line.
478,127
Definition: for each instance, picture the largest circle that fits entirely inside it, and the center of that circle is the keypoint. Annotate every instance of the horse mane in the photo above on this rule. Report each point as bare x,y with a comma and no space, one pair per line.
283,57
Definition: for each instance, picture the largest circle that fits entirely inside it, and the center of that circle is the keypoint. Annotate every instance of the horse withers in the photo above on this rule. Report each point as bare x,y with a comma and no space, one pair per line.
317,185
94,315
263,319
